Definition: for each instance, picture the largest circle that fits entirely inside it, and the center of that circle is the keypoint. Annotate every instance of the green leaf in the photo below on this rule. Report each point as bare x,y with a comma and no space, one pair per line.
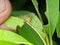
7,43
58,27
30,34
52,14
12,37
35,3
13,22
32,20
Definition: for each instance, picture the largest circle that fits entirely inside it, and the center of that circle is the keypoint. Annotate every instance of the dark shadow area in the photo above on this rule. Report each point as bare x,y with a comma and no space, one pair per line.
24,5
18,5
42,9
55,38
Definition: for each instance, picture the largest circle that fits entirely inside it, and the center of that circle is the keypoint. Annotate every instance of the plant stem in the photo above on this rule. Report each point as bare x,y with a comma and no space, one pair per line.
51,42
47,40
39,15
